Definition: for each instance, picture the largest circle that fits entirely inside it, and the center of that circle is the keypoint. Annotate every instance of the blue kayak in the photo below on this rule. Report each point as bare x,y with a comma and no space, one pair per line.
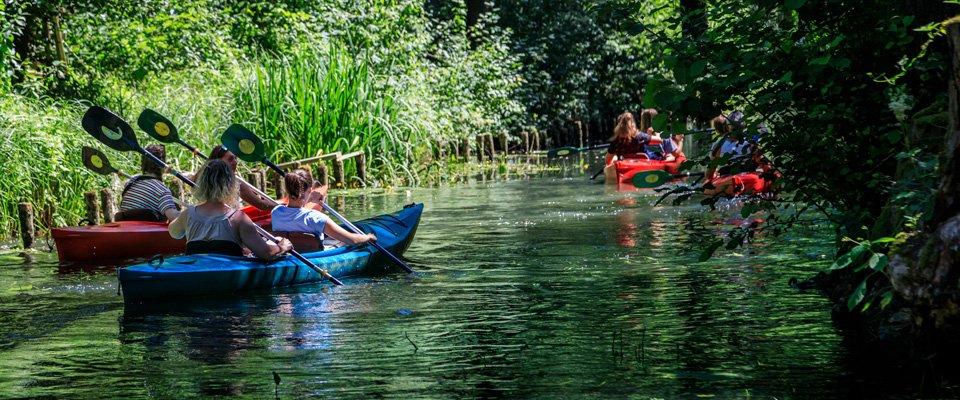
180,277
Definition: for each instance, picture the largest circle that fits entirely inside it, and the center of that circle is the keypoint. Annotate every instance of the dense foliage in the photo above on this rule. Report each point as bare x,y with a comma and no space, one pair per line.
854,96
378,76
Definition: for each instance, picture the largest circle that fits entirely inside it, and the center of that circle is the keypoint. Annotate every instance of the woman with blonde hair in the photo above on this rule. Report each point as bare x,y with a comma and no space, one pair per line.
215,225
626,139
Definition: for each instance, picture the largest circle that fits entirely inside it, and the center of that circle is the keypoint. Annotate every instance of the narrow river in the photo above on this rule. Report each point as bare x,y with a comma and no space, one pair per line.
528,288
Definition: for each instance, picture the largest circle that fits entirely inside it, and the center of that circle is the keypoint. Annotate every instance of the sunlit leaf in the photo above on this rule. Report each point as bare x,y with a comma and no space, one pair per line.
848,258
878,261
857,296
886,298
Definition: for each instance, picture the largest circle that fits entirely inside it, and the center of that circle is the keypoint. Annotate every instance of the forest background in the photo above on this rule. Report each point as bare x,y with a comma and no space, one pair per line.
856,94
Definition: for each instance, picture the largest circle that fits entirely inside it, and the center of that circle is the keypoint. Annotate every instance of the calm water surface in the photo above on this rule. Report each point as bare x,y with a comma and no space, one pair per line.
530,288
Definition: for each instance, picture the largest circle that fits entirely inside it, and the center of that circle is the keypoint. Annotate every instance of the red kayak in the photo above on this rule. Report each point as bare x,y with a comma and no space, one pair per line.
622,171
745,183
126,239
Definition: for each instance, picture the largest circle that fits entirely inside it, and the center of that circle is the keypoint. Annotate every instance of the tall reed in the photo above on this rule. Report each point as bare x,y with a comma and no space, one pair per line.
40,149
327,101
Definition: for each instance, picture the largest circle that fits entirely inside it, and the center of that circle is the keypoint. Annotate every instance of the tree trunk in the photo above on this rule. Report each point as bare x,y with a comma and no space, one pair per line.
924,268
947,204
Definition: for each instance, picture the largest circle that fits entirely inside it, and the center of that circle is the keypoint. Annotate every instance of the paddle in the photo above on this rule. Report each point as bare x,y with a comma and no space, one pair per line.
699,131
97,162
248,147
160,128
598,173
652,179
116,133
568,150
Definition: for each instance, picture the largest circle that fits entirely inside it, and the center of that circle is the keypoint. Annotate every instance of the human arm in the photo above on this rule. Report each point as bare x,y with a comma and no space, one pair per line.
178,228
251,239
711,171
316,196
654,137
252,198
610,158
337,232
171,214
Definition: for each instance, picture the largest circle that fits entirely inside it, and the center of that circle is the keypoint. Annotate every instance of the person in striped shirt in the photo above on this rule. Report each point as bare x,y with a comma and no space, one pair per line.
145,197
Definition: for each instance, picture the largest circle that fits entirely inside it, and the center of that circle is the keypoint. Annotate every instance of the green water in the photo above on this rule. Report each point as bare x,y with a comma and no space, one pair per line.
529,288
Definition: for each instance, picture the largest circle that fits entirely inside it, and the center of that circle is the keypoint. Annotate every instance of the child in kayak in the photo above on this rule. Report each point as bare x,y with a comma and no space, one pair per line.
294,217
145,197
215,226
627,140
673,148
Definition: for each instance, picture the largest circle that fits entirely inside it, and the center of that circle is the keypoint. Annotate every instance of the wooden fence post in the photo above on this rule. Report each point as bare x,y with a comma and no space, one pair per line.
480,145
580,132
108,203
277,182
489,138
338,174
27,232
93,207
465,144
362,169
253,178
504,143
320,173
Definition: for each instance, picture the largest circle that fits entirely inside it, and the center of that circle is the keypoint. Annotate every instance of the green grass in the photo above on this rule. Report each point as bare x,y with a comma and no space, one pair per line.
326,101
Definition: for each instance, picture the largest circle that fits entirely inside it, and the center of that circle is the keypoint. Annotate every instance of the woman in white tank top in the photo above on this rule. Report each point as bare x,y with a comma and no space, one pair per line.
214,225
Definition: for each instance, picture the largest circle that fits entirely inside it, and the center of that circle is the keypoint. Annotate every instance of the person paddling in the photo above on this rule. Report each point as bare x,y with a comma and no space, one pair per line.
145,197
752,173
215,226
295,217
247,194
626,140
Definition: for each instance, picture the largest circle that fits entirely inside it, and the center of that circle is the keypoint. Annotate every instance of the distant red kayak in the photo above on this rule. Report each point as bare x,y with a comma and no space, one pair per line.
745,183
126,239
622,171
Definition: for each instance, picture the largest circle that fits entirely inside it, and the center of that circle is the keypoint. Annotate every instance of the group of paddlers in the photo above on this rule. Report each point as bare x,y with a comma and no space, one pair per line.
737,165
215,225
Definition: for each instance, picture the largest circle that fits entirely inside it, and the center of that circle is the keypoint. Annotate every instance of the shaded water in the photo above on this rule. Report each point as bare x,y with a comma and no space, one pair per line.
539,288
